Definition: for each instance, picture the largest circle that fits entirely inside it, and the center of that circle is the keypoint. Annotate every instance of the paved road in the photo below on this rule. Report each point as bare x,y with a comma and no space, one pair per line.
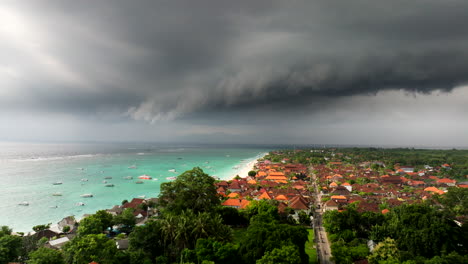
322,243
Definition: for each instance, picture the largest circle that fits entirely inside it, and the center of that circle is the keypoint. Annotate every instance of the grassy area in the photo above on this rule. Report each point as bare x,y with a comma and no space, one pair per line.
310,249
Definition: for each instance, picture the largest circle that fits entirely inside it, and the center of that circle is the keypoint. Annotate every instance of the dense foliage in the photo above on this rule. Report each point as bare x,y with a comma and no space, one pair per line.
418,231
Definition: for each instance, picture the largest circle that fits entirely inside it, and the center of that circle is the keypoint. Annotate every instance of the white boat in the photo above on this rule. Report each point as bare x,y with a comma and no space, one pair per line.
57,183
80,204
142,196
84,180
171,178
53,206
128,178
104,181
144,177
108,177
57,194
132,167
24,203
86,195
172,170
109,185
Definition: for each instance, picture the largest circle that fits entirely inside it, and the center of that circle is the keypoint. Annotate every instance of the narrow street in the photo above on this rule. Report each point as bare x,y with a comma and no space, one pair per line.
322,243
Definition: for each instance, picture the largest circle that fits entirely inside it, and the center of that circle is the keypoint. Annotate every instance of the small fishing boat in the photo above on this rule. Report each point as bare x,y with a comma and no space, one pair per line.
104,181
171,178
128,178
172,170
132,167
108,177
57,194
84,180
80,204
142,196
57,183
139,182
109,185
144,177
24,203
53,206
87,195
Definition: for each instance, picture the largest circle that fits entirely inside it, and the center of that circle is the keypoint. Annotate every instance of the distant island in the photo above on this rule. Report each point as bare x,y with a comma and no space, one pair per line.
315,205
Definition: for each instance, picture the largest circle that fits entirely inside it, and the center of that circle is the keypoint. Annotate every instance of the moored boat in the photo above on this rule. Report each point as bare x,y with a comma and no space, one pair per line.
57,183
109,185
144,177
87,195
24,203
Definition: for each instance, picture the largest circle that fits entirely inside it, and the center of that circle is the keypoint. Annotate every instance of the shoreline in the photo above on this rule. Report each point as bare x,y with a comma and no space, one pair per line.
244,169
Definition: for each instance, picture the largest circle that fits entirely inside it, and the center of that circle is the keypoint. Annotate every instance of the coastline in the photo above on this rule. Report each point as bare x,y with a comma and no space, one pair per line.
244,168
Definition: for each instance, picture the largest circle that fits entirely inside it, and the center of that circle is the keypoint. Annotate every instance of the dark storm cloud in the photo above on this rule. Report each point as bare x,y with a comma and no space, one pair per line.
156,60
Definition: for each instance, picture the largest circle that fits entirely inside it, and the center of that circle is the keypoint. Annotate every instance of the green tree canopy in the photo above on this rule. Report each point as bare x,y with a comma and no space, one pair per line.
262,237
46,256
96,223
87,248
126,219
283,255
193,190
10,248
385,251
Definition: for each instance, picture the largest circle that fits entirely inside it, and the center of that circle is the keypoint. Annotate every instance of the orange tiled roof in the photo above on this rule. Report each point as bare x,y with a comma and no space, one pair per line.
446,180
463,185
385,211
240,203
346,184
338,197
434,189
333,184
233,195
281,197
265,195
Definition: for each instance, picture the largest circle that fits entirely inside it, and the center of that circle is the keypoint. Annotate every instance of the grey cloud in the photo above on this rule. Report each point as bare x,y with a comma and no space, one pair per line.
160,60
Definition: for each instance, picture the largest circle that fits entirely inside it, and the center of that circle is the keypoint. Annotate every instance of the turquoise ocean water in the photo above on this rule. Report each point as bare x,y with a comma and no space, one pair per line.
28,171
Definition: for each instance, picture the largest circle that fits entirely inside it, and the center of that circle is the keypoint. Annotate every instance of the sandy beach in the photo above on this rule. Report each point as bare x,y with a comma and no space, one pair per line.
245,167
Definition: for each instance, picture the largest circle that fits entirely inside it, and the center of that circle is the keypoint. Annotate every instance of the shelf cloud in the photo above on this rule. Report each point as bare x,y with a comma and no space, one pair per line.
162,61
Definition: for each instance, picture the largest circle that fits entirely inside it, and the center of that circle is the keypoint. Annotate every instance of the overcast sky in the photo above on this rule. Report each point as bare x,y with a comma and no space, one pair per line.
297,72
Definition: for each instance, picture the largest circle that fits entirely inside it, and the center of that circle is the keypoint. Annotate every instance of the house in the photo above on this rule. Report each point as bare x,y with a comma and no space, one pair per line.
134,203
446,181
67,221
407,169
434,190
58,243
299,203
234,186
347,186
236,203
264,195
47,233
330,205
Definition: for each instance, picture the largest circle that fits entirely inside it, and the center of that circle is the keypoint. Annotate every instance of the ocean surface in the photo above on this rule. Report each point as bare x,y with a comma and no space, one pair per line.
28,173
